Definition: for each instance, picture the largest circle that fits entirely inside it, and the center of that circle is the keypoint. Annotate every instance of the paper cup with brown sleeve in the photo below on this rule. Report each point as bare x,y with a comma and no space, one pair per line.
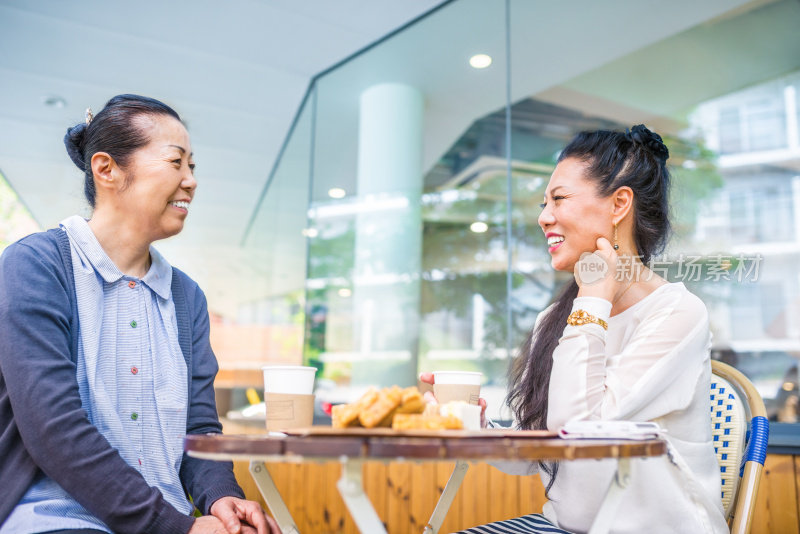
288,396
449,386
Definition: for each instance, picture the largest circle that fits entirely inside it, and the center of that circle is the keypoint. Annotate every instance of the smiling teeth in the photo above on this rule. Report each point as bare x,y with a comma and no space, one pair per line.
554,240
180,204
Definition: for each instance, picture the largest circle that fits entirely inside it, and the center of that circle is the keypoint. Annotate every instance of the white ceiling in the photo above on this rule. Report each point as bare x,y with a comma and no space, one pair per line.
237,72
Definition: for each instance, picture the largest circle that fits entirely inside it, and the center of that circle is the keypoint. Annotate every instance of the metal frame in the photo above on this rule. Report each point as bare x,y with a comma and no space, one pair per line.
265,484
351,487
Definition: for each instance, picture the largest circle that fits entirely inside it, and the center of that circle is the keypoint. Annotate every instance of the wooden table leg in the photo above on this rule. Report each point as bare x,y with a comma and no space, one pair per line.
272,497
610,503
447,497
352,489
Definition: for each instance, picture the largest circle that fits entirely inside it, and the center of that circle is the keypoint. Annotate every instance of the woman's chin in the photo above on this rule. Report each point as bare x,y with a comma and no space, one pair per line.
169,231
560,264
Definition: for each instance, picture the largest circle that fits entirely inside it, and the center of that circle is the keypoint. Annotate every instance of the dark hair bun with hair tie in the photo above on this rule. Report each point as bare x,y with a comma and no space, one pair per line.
73,140
640,135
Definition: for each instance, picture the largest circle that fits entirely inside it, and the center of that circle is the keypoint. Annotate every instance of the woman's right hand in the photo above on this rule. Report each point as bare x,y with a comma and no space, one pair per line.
208,524
596,273
430,398
428,378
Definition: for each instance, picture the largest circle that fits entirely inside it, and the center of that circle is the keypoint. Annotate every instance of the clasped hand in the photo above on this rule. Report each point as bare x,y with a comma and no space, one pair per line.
231,515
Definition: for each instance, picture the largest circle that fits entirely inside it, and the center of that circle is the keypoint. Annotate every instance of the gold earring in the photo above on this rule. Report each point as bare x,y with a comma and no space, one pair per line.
616,244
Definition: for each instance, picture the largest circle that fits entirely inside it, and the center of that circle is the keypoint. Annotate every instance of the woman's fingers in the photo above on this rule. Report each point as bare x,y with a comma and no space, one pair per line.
604,244
430,398
273,526
427,378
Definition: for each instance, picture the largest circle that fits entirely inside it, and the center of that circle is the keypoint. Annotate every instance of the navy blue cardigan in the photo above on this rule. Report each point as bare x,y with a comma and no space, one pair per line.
43,427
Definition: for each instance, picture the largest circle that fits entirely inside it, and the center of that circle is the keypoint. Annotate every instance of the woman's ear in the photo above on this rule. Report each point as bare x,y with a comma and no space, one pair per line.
106,172
623,203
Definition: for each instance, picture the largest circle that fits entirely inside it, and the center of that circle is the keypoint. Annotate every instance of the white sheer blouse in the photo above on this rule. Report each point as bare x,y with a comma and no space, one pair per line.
651,365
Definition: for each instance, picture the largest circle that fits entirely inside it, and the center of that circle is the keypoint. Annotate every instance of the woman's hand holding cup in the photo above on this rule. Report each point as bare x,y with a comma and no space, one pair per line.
430,397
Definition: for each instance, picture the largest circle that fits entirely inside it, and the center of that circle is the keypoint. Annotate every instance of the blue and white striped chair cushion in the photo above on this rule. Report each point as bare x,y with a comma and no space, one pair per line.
729,432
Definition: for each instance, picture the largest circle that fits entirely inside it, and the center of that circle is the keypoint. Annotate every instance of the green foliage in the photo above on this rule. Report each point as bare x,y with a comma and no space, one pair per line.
694,178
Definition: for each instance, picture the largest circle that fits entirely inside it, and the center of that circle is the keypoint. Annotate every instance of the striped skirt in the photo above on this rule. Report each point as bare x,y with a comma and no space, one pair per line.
527,524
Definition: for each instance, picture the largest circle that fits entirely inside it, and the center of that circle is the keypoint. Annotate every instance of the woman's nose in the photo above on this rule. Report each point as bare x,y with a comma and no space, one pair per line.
189,182
546,217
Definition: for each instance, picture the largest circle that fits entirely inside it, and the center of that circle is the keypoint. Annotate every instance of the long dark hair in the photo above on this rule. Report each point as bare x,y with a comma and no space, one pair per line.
637,159
113,130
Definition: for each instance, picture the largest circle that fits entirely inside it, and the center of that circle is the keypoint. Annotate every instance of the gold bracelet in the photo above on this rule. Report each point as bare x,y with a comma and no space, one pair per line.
579,317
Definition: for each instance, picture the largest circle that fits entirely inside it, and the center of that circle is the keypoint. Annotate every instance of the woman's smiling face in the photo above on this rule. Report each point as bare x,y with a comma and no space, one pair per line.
573,215
161,179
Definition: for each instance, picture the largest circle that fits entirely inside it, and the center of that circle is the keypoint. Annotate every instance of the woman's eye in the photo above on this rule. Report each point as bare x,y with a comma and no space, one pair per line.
543,205
177,162
191,167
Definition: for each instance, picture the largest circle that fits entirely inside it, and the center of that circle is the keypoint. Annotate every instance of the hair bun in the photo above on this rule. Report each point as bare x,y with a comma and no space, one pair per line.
73,140
640,135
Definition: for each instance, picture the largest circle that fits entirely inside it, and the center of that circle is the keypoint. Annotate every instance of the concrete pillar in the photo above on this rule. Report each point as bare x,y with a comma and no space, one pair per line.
388,246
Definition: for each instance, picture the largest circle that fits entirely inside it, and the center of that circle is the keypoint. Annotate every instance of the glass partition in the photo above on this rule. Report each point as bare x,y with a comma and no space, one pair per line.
722,90
384,226
268,286
394,269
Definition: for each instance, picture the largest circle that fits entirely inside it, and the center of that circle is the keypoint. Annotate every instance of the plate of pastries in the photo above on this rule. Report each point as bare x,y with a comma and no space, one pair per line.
396,410
393,407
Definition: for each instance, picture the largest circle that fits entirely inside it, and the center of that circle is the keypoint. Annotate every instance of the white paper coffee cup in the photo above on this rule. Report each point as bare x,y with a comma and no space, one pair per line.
288,398
286,411
449,386
289,379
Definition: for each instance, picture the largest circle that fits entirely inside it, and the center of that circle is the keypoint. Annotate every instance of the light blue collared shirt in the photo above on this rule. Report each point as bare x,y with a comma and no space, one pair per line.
132,381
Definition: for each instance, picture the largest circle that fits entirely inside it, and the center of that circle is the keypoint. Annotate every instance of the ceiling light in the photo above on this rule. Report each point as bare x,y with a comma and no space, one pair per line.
336,192
310,232
480,61
479,227
54,101
345,292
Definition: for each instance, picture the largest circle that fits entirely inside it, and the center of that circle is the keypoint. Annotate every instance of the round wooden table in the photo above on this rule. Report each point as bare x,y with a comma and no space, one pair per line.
352,447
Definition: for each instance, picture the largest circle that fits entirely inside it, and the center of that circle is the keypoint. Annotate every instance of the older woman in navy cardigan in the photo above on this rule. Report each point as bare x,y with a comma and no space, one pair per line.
105,362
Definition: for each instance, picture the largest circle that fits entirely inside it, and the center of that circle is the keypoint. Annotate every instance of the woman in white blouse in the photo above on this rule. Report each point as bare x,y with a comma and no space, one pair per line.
626,345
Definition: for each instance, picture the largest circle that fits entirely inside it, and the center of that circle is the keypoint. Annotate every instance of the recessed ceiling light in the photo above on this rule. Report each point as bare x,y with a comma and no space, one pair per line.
480,61
310,232
336,192
345,292
479,227
54,101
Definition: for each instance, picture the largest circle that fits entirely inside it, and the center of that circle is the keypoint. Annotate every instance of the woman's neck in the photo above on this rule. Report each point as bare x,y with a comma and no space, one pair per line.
123,242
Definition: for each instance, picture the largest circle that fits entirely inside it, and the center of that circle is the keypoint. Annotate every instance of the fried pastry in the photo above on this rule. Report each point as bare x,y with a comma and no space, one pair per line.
411,402
344,415
388,399
378,407
426,422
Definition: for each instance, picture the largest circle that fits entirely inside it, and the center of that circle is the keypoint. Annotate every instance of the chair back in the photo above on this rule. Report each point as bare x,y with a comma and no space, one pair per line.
735,403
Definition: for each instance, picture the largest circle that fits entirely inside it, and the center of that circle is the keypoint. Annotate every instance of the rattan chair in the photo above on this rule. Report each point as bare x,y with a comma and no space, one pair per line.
740,451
